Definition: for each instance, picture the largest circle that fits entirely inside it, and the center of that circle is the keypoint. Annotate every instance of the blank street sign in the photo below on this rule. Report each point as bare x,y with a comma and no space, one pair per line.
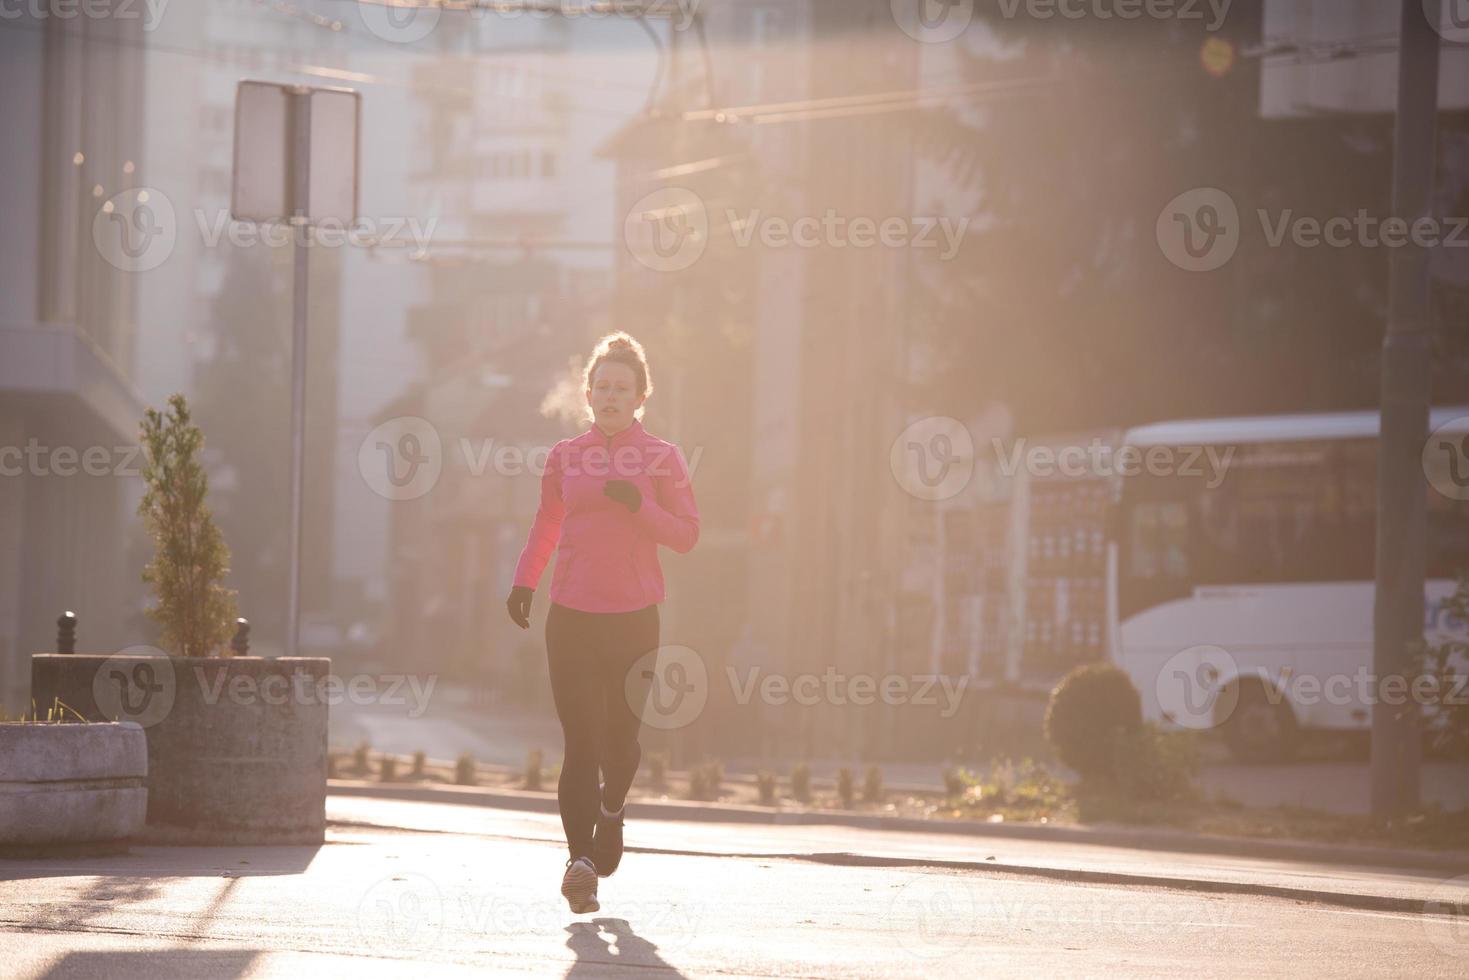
265,117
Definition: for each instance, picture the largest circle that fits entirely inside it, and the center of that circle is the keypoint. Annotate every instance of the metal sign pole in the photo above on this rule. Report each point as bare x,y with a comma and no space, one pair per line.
300,193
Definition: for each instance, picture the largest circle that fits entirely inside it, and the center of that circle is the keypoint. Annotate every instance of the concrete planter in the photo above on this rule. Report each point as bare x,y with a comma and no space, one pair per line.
236,745
71,783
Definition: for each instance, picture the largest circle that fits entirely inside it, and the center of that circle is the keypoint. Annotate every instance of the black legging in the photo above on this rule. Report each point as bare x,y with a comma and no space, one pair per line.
600,707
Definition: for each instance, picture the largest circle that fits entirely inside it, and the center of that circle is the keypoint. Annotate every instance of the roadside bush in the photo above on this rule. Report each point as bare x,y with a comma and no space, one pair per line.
765,780
465,772
420,760
845,786
1089,709
387,768
801,783
1154,766
957,781
1447,716
360,764
872,785
698,784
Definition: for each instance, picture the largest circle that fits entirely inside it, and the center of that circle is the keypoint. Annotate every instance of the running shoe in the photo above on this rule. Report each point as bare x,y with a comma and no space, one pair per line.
579,885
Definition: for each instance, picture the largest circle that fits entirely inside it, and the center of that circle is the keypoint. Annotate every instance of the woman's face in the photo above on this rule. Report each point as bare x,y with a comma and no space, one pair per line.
613,395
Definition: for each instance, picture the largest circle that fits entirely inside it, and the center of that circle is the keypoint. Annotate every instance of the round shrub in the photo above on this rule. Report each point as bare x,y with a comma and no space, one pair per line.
1091,707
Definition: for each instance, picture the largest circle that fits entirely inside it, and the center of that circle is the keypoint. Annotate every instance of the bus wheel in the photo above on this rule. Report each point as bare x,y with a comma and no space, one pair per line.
1257,730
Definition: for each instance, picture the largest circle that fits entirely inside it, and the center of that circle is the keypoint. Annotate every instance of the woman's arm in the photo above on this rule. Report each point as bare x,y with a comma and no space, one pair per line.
545,531
673,518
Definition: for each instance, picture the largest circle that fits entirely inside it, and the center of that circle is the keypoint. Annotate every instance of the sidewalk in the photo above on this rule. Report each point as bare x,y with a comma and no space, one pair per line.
1413,889
1137,838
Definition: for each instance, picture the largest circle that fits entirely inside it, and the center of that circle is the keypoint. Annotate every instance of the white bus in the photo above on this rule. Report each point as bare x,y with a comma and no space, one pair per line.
1240,587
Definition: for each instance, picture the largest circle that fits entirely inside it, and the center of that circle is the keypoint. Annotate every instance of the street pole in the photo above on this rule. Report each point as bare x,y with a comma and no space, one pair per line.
1401,492
301,190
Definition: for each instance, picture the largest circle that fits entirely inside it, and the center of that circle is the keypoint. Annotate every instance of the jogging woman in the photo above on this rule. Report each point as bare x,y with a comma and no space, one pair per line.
609,498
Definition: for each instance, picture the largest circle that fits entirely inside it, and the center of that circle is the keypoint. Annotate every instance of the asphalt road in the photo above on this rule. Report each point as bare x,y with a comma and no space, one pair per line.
379,902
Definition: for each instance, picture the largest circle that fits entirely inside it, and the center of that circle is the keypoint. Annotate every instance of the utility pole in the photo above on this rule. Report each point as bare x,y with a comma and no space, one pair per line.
1401,492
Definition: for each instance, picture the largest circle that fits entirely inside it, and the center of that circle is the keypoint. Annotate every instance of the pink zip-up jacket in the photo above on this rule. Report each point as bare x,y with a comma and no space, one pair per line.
606,555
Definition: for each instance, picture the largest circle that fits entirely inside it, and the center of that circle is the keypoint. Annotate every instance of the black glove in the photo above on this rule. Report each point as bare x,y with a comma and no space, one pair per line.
624,493
519,606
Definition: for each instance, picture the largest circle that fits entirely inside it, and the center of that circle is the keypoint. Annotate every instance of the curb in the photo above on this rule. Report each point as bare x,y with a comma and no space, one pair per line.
1441,862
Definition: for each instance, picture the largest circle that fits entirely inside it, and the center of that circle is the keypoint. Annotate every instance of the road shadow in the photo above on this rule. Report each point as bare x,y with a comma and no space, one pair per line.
594,953
163,964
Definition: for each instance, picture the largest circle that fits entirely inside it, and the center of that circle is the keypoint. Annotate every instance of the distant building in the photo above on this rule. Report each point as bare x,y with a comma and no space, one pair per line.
69,408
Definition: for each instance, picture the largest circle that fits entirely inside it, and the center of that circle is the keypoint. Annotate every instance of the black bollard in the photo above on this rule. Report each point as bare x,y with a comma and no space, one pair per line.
241,643
66,632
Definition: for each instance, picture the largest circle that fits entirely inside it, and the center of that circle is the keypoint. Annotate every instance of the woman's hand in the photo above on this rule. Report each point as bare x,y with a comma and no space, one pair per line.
518,605
624,493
